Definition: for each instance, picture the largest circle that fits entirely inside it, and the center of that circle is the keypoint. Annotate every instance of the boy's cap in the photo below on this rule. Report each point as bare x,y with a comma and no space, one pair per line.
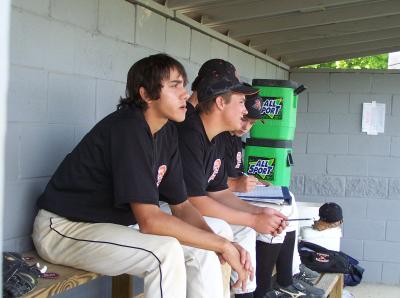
217,66
213,66
215,84
253,105
330,212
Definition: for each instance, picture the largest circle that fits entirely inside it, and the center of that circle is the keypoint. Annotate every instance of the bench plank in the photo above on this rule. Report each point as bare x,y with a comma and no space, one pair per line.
70,278
332,284
337,291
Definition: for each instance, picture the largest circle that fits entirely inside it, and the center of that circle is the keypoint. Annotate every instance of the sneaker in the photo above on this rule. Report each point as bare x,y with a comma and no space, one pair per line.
292,292
303,278
309,290
307,275
276,294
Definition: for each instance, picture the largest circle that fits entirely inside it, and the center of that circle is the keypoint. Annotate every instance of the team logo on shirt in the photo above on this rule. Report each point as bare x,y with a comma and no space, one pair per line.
238,159
160,174
216,166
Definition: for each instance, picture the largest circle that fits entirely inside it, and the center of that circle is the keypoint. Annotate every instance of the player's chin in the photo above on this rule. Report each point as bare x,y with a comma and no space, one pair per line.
238,126
179,116
238,133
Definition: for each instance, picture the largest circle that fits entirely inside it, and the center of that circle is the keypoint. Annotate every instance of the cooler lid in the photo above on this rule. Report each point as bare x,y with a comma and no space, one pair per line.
268,143
275,83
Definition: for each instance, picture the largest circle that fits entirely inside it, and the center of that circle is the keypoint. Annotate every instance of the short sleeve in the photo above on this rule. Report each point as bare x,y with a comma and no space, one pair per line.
132,164
172,188
220,181
233,157
192,152
230,160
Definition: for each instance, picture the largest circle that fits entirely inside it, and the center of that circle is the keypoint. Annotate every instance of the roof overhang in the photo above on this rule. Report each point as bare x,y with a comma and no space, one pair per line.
300,32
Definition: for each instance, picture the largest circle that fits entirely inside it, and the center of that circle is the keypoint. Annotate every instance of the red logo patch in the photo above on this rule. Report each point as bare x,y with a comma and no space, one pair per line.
216,166
160,174
238,160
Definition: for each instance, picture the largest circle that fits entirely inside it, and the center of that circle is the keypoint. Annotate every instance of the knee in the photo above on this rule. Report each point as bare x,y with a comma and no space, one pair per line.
247,233
246,237
220,227
171,249
212,257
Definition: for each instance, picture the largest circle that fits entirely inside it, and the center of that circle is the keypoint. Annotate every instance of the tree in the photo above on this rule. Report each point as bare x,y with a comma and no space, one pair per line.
369,62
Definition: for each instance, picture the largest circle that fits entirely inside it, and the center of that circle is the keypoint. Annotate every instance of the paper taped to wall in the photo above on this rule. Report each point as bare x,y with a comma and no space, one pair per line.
373,118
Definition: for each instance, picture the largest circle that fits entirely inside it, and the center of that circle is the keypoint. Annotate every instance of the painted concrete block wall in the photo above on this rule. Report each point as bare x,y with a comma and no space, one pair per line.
334,161
69,61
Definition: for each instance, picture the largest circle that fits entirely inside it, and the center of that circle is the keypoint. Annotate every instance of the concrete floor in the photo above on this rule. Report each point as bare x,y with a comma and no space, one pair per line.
365,290
369,290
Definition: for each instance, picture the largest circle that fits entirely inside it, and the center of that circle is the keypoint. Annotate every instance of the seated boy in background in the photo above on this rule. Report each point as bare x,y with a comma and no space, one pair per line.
270,251
221,97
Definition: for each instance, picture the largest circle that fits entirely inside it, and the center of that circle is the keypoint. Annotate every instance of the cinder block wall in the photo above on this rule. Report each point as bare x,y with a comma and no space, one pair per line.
69,61
334,161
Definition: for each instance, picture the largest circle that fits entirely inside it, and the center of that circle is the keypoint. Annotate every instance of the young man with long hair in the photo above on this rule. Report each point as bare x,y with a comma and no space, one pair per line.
100,210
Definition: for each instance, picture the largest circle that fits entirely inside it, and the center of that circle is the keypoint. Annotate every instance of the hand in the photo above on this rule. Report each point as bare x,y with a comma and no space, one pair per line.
221,258
245,259
270,221
264,183
246,183
236,256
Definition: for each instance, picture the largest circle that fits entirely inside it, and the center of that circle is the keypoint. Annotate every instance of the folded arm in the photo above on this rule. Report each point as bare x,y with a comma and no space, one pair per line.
196,232
227,206
189,228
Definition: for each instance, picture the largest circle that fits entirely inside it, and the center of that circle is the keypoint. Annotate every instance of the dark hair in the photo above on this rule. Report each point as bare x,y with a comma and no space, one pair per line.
149,73
195,83
205,106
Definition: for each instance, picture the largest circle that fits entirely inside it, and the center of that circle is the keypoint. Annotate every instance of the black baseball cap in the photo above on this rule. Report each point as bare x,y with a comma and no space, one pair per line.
253,105
213,66
330,212
218,84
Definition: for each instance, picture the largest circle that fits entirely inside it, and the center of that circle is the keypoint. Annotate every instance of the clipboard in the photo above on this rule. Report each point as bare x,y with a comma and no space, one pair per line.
267,194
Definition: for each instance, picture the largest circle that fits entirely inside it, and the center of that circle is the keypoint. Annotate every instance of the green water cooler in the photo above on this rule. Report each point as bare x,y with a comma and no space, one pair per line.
279,108
268,153
269,160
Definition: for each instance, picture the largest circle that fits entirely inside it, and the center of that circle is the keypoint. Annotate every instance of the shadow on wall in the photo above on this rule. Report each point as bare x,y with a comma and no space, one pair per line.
32,154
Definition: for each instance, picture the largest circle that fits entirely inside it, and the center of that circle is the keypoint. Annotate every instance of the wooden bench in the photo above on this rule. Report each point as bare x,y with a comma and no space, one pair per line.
71,278
122,285
332,284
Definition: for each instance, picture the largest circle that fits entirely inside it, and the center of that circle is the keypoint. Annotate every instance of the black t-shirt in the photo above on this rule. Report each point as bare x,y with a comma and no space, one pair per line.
202,160
233,155
118,162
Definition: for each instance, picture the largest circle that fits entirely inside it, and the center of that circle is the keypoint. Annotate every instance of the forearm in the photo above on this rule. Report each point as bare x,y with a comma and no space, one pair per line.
190,214
152,220
227,198
233,184
210,207
187,234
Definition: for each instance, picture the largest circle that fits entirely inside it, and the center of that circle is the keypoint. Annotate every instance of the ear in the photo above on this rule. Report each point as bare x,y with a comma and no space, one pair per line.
220,102
144,95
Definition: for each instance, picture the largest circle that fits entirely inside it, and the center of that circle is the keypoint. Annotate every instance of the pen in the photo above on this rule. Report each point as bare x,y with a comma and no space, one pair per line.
295,219
261,183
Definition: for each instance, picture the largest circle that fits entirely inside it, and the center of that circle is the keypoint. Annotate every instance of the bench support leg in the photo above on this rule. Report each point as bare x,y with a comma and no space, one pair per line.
122,286
337,290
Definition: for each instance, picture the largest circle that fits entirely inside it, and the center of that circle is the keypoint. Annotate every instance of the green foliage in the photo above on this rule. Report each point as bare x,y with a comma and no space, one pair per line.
369,62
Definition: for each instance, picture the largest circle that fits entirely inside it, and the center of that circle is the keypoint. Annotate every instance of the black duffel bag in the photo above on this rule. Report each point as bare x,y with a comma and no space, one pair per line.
324,260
